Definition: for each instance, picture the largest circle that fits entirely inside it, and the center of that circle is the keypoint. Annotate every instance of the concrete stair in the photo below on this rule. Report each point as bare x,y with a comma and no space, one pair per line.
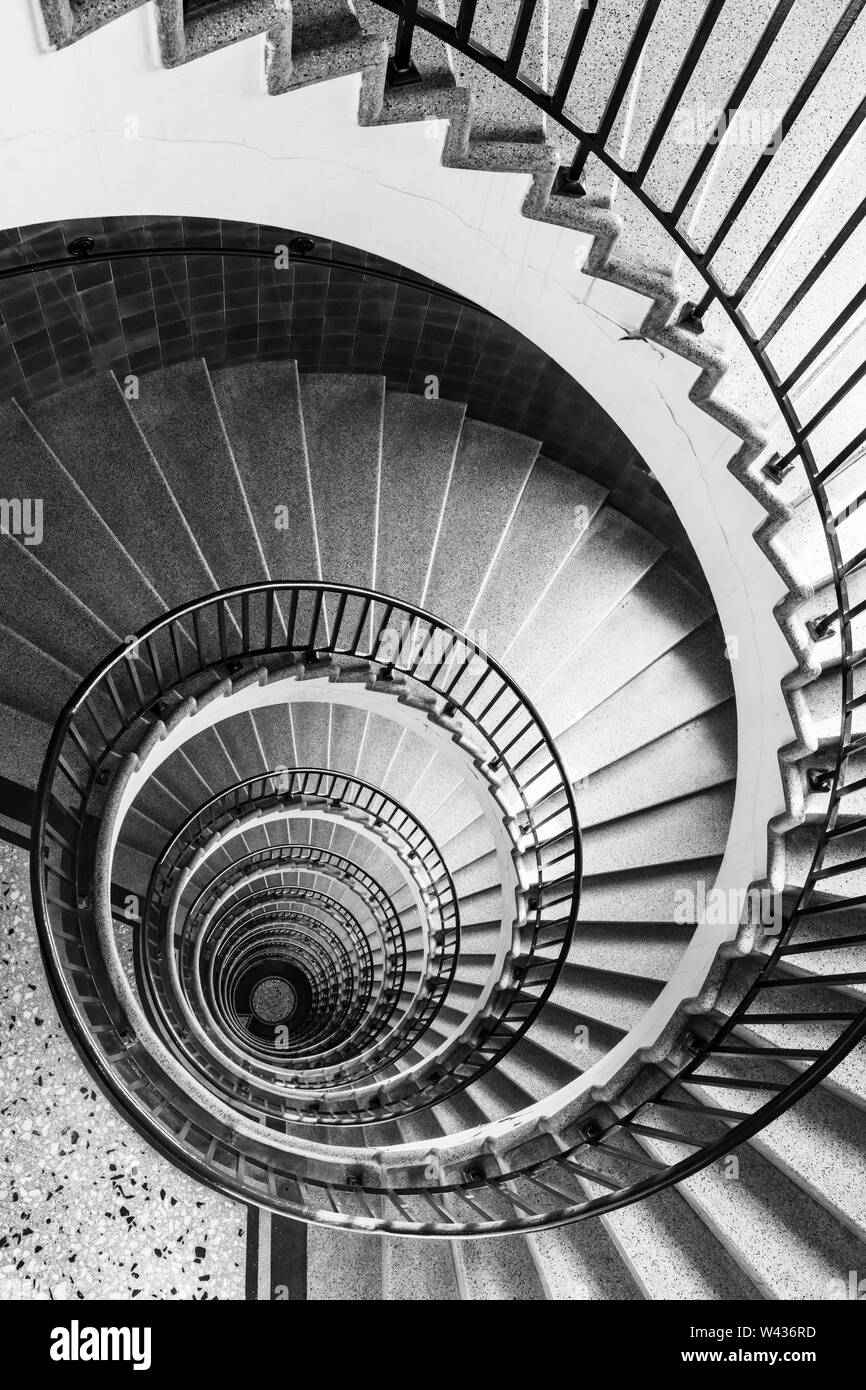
649,740
623,659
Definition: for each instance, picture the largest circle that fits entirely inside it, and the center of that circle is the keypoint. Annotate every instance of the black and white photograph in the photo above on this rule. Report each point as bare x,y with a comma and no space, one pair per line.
432,673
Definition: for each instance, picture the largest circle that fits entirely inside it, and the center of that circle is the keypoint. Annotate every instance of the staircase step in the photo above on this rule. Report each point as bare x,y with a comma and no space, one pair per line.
613,555
655,615
611,998
343,1265
40,609
409,763
652,894
346,736
580,1262
419,1271
699,754
419,446
672,1254
555,508
692,828
261,410
790,1247
93,433
178,414
477,876
818,1143
498,1095
23,744
546,1059
95,568
463,835
499,1270
34,685
459,1112
686,682
645,950
476,517
343,431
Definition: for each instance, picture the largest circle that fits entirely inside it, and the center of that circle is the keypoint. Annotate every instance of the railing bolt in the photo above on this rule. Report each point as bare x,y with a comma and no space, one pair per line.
301,245
85,902
81,247
591,1131
825,626
777,468
820,779
566,187
690,319
407,76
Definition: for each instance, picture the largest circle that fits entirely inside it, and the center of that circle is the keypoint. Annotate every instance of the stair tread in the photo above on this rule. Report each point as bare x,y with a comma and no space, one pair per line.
343,430
419,444
458,568
261,410
178,414
93,433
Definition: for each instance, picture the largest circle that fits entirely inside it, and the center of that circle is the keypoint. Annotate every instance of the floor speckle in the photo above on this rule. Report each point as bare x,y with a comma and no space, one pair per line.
89,1210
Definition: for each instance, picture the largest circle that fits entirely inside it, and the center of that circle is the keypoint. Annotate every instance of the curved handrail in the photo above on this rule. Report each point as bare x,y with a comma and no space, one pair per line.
356,975
347,794
592,1147
296,858
505,65
143,684
580,1158
352,987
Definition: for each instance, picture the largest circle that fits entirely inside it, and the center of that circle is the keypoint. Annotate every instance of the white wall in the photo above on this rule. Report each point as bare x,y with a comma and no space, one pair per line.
211,143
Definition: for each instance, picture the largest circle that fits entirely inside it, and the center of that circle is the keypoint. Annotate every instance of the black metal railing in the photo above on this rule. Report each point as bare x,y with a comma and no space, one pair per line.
313,912
239,879
145,684
345,796
605,1160
281,867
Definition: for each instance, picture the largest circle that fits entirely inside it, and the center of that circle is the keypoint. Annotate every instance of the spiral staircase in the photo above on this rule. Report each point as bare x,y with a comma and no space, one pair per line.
365,825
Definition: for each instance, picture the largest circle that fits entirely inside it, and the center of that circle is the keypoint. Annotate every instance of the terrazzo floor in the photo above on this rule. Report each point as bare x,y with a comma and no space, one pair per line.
87,1209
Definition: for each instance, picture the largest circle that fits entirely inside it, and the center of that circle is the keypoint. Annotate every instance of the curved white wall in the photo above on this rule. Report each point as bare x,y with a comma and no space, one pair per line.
210,142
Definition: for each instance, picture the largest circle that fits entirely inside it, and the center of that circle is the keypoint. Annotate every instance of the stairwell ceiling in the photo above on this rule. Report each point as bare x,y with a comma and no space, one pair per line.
60,326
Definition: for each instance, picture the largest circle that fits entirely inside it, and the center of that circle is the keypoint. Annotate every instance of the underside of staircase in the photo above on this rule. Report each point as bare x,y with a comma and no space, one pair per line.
385,774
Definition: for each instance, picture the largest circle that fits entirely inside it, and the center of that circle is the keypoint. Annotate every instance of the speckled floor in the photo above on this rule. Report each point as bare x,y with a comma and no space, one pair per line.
89,1211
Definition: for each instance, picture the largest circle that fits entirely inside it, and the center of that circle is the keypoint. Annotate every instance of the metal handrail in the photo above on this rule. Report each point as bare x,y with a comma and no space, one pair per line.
345,794
462,36
585,1153
335,791
352,986
317,860
359,979
593,1157
139,686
